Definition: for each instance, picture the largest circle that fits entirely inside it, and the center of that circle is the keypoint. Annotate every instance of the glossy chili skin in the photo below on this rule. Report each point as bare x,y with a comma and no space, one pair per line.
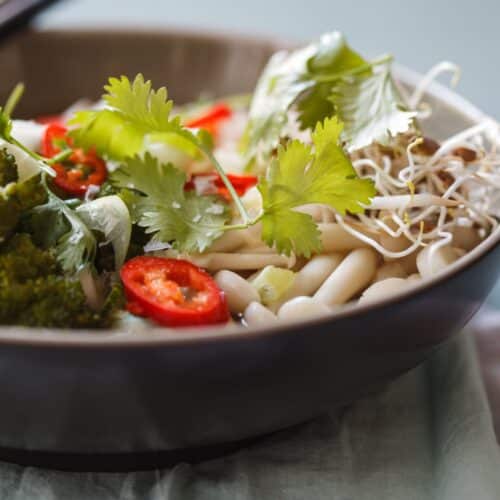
241,183
80,170
172,292
211,119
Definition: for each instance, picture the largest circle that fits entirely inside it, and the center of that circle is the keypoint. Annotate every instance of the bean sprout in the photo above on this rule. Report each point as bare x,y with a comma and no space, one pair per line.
430,76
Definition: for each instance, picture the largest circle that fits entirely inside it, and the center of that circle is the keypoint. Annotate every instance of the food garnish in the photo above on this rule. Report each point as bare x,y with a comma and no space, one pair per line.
316,190
172,292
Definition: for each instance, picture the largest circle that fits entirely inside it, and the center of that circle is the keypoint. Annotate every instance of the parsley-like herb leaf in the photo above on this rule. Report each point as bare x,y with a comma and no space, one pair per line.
301,175
325,79
370,108
293,77
136,114
186,220
56,225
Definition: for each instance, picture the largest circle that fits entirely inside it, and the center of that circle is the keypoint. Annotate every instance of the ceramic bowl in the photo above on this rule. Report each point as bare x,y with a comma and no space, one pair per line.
101,393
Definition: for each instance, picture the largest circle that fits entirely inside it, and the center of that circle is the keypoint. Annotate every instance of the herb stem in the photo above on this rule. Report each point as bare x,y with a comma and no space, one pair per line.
58,158
234,195
246,225
13,99
43,161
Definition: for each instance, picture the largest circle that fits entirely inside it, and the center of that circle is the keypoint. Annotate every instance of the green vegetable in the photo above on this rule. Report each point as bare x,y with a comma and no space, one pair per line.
156,198
191,222
29,163
272,283
137,117
32,292
315,81
8,168
55,225
300,176
371,109
110,216
15,199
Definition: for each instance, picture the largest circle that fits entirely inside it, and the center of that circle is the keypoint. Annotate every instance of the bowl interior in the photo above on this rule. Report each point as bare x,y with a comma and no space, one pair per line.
60,67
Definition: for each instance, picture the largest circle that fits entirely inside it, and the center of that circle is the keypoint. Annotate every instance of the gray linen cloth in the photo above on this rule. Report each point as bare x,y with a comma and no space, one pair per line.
428,435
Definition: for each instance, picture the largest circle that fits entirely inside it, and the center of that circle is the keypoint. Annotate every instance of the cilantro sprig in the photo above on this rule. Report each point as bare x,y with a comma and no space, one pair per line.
316,81
371,108
135,115
166,210
53,223
302,174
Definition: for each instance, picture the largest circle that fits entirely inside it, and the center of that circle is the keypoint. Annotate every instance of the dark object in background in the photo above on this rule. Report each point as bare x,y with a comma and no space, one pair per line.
16,13
91,393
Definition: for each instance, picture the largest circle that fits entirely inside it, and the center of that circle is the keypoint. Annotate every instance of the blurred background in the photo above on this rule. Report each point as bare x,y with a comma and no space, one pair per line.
418,34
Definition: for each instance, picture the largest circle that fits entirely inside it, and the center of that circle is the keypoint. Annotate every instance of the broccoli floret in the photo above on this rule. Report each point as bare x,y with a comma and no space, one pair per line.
16,198
33,293
8,168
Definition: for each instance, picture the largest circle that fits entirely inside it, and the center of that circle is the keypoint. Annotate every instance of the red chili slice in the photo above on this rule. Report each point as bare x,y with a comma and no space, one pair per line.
81,170
54,139
211,119
172,292
241,183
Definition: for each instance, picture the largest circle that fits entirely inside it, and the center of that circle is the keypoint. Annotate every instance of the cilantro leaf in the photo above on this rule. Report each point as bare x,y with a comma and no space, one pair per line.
300,176
50,220
110,216
315,106
371,108
277,89
136,115
294,75
55,225
321,80
189,221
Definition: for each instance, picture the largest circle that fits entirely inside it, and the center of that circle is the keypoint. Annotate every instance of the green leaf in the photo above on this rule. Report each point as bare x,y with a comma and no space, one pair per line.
371,109
110,216
15,199
55,225
292,77
333,55
291,232
277,89
137,118
186,220
8,168
315,106
300,176
136,115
